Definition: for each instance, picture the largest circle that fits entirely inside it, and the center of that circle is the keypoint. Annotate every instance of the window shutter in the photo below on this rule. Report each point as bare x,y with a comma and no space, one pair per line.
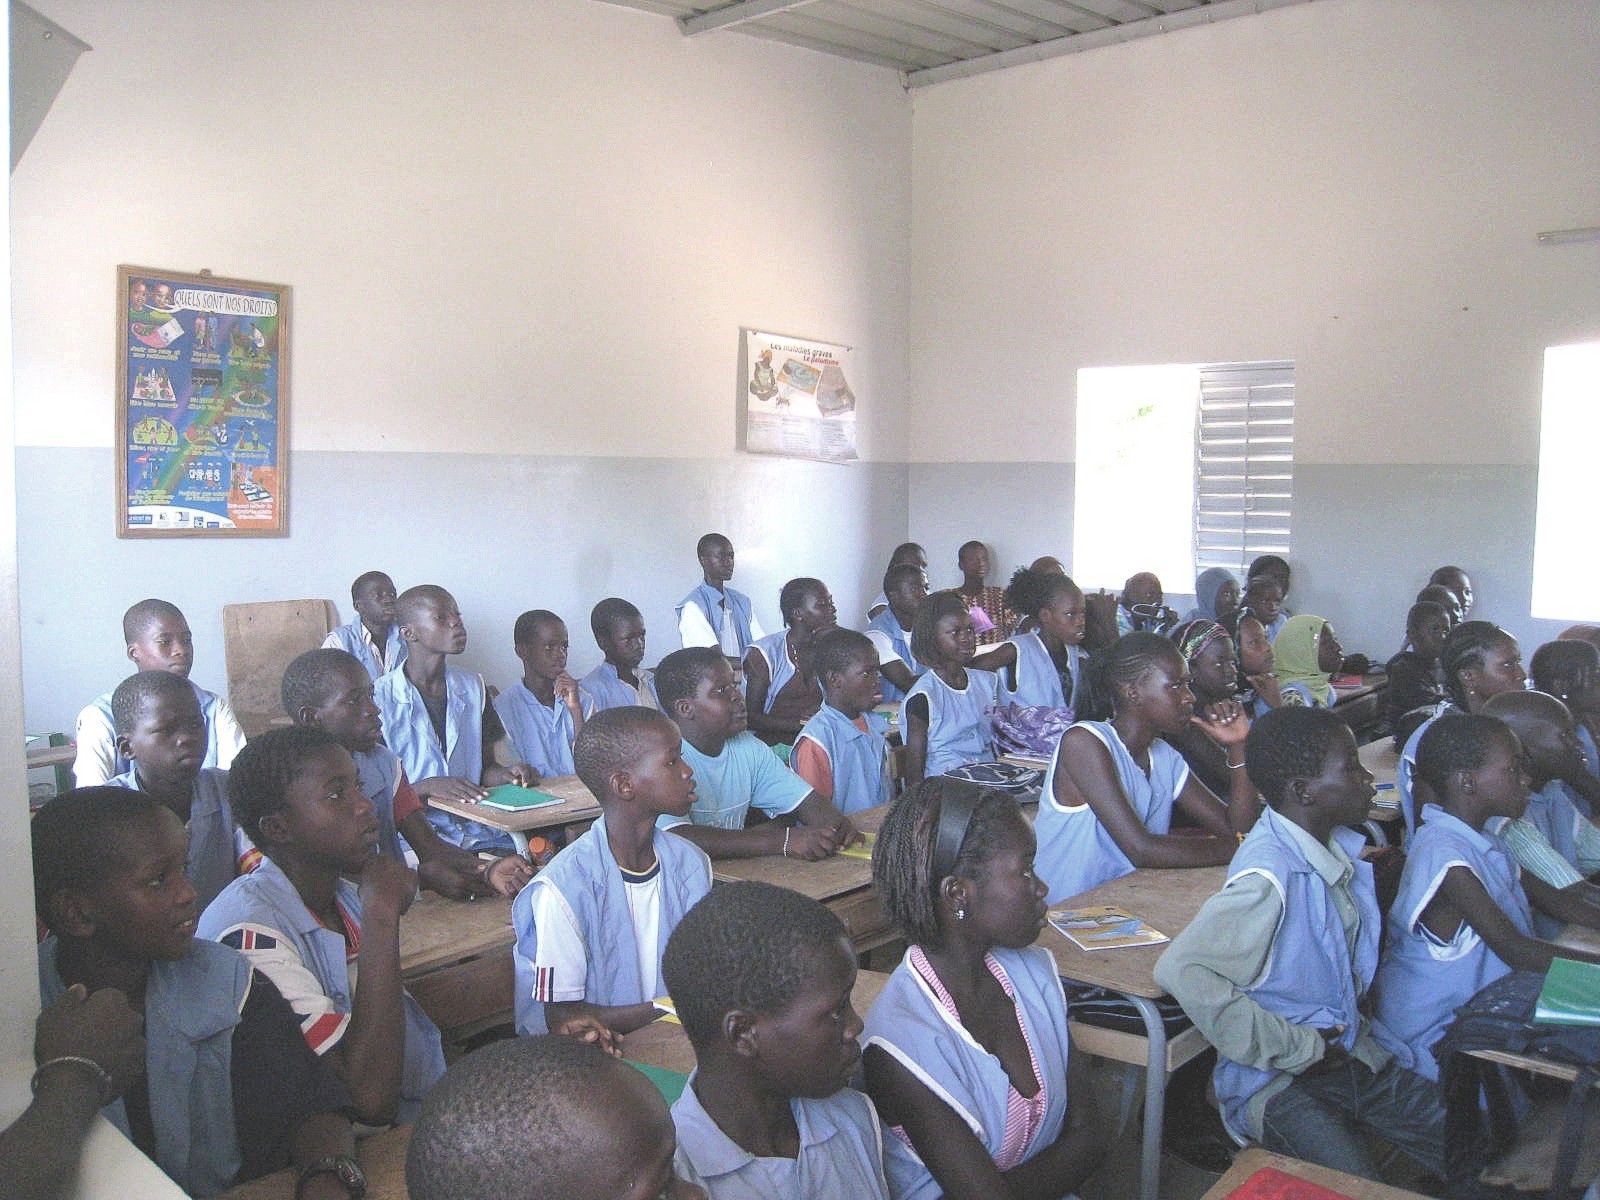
1244,463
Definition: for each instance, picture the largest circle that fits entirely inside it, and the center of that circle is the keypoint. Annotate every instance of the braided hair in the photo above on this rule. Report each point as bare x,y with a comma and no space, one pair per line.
1466,649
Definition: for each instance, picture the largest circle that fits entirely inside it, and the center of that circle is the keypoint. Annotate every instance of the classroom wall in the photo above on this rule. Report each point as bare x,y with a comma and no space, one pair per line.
1353,184
522,241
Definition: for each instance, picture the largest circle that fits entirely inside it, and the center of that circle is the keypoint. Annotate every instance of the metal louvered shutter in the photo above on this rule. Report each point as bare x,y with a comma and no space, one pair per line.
1244,463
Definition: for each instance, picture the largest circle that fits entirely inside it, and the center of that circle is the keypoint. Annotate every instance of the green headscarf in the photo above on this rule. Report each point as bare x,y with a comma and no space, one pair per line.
1294,653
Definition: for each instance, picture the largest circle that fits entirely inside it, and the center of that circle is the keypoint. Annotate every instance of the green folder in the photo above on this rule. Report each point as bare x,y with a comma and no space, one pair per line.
669,1083
1571,994
508,797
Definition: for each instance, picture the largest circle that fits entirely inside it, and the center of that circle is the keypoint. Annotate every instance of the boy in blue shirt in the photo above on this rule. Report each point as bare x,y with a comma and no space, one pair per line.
619,679
714,614
544,711
842,752
373,637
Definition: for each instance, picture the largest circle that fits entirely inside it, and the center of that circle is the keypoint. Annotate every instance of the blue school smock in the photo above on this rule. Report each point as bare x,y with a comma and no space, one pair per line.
959,731
606,687
1038,680
1406,769
588,878
355,639
1311,977
774,651
745,774
1591,759
1421,980
216,843
378,773
712,604
1276,627
409,733
1075,851
191,1008
265,904
96,724
542,735
888,624
859,758
908,1022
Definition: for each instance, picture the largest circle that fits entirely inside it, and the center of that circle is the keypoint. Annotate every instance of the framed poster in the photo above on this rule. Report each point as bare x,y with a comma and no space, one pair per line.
796,400
202,406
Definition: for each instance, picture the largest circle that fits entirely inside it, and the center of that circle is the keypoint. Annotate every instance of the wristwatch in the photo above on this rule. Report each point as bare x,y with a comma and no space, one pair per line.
347,1169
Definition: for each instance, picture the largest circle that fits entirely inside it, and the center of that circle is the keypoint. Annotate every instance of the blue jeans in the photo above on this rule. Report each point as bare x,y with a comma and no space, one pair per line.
1322,1117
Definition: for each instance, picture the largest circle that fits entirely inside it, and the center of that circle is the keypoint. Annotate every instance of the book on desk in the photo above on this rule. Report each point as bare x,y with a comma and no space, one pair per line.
1105,927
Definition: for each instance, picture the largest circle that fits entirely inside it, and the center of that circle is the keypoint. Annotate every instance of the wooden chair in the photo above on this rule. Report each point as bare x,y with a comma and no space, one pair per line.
260,640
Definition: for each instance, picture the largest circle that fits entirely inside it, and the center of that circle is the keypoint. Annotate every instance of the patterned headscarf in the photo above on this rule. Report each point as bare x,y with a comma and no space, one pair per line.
1194,636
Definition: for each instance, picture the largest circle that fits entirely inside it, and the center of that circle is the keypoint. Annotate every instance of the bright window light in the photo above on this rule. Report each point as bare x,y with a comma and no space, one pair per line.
1566,571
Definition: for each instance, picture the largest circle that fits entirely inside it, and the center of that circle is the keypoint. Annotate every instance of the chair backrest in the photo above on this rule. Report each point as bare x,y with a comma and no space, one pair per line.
260,640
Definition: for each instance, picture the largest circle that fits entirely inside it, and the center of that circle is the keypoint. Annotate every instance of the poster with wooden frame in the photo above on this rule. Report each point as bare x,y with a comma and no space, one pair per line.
202,405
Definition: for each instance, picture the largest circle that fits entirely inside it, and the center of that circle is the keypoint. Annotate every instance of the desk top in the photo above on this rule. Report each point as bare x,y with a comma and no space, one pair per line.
1381,758
824,880
436,931
1166,899
577,804
382,1157
1254,1159
1372,681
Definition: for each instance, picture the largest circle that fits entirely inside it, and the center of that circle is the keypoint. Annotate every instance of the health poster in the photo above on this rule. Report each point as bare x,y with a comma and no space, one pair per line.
202,405
797,399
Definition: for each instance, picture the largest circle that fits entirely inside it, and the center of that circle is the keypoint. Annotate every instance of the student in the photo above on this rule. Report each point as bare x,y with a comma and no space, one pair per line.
1461,919
1306,653
1216,594
158,639
1110,790
1208,653
1263,595
544,1118
761,979
781,685
992,620
1276,569
230,1090
1436,593
619,681
1457,581
906,587
967,1051
1259,692
1275,967
373,637
842,752
946,714
332,946
1141,606
544,712
1569,670
331,691
592,925
1046,666
1416,680
905,554
437,720
735,772
161,731
714,614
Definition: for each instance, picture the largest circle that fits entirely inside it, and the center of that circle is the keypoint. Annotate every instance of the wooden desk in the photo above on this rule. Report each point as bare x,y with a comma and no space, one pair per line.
382,1157
1382,759
1254,1159
1361,706
577,806
455,958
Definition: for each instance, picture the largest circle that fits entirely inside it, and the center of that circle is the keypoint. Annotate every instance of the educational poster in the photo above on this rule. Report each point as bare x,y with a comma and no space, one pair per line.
202,406
797,398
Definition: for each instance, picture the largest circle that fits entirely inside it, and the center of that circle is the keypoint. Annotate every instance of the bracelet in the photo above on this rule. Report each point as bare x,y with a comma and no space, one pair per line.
108,1086
1239,766
787,830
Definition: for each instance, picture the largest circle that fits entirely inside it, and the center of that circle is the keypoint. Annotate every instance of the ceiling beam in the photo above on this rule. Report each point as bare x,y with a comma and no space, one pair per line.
737,13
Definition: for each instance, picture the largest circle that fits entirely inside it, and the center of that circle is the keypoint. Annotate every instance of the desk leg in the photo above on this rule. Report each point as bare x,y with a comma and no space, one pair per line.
520,841
1155,1098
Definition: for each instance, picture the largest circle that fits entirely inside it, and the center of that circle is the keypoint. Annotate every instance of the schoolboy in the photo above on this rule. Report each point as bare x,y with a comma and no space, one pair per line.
619,680
781,686
905,587
1274,967
332,946
1459,583
1445,598
546,709
330,690
230,1090
592,925
843,752
1142,606
734,771
373,637
761,978
543,1118
714,614
158,639
161,731
905,553
1263,596
437,720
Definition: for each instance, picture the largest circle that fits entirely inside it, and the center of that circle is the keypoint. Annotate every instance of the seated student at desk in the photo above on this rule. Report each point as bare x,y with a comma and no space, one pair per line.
619,680
781,685
905,587
734,771
374,636
1456,581
1263,595
1416,680
843,751
714,614
545,710
1306,653
907,554
1569,670
1044,665
946,714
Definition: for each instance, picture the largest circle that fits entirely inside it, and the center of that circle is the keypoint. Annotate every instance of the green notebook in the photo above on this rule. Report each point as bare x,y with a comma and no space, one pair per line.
508,797
669,1083
1571,994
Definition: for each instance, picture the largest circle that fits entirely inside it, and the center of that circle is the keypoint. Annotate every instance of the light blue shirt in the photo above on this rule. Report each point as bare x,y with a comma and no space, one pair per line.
746,773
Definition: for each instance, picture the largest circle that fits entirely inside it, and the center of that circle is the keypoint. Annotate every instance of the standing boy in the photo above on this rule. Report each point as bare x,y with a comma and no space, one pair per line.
714,614
373,637
545,711
842,752
619,680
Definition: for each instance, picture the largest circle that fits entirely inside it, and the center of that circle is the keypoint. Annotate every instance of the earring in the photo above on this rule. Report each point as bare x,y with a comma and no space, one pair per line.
961,914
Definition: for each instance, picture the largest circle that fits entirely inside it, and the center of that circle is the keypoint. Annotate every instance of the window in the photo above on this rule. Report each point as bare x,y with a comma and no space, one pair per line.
1180,468
1566,573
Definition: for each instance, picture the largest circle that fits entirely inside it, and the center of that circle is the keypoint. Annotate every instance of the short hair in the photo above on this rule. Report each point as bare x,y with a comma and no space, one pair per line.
973,544
410,603
613,739
75,833
679,674
902,857
1455,742
794,593
907,552
1422,610
837,649
529,623
1438,594
1270,564
1289,743
505,1122
747,945
1522,712
899,573
925,624
1126,662
367,577
1032,590
609,613
1441,574
134,692
1562,661
1254,581
708,541
307,680
146,613
262,772
1467,648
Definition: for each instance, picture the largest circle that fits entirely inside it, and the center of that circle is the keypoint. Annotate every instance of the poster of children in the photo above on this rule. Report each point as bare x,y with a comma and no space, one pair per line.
796,400
202,405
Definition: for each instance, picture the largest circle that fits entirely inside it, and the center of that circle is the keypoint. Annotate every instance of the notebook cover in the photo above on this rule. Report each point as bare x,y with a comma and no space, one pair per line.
1105,927
669,1083
508,797
1570,995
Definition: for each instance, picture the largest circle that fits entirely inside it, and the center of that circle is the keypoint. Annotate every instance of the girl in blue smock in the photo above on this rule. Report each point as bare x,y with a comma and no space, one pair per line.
1046,665
1307,653
1216,594
947,713
1569,670
966,1049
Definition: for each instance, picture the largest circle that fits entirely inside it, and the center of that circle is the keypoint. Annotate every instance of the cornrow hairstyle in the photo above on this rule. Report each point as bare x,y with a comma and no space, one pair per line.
681,673
367,577
1467,648
1031,590
612,740
795,593
1559,667
529,623
1456,742
902,857
709,542
263,771
609,613
146,613
414,601
924,626
748,946
134,692
1289,743
1129,659
837,649
77,839
899,573
308,680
